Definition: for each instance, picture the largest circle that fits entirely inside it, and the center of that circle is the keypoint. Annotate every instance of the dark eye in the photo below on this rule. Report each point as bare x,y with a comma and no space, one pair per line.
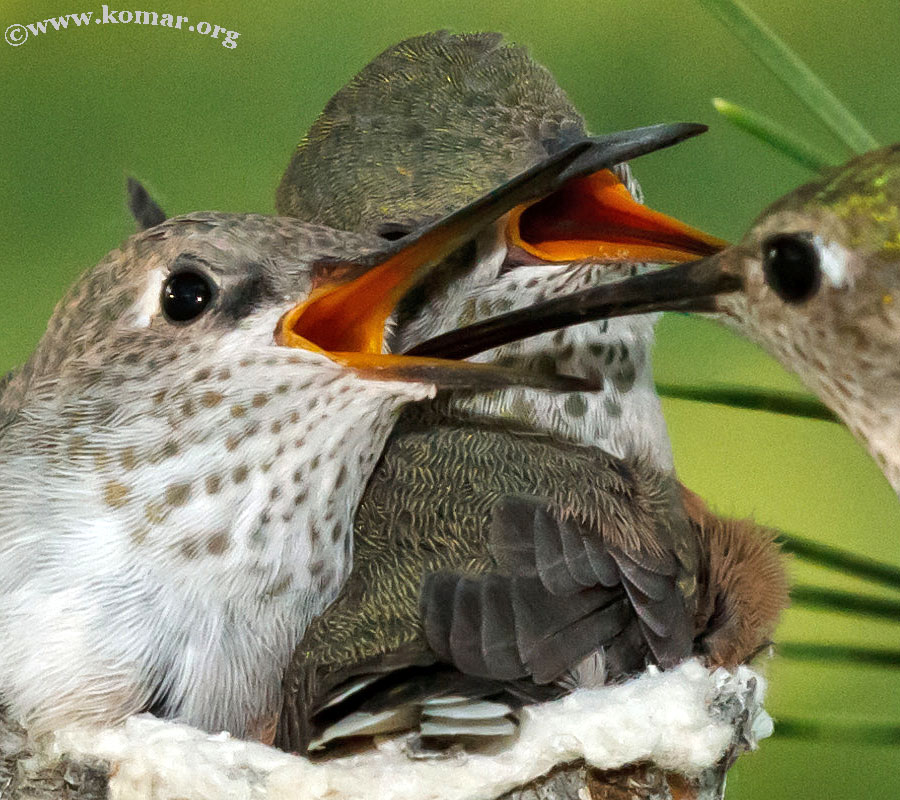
393,231
186,295
791,267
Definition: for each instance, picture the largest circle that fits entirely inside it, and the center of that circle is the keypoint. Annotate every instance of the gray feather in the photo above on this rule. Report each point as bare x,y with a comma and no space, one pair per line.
145,210
498,630
558,653
465,631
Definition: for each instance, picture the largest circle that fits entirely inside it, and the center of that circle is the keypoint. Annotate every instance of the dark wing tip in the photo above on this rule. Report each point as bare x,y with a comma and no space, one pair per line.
145,210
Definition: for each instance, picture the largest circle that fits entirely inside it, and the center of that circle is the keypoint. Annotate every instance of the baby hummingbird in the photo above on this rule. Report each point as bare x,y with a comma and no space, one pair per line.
438,119
182,457
436,605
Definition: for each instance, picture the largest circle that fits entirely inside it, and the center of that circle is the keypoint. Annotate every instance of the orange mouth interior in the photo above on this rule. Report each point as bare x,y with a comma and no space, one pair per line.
346,321
593,217
596,217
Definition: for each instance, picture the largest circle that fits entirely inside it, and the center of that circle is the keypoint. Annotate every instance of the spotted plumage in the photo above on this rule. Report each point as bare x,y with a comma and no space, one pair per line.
177,485
433,119
494,562
145,560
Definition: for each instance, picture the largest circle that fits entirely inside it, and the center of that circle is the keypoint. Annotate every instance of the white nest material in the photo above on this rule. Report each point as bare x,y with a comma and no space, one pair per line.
684,720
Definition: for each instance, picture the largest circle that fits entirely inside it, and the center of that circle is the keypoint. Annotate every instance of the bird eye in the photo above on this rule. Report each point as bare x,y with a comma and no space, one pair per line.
393,231
186,294
791,267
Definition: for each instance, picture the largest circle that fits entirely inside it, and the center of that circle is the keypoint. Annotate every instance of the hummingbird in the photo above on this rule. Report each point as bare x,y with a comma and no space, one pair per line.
428,610
145,211
820,275
441,118
496,566
814,282
182,456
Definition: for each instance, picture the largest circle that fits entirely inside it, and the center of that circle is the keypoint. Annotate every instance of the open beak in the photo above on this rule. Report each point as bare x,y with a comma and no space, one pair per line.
344,317
686,287
593,216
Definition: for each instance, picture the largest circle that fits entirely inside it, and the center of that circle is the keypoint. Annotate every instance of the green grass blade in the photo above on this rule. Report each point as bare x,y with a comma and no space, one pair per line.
791,404
788,68
845,733
821,599
772,134
841,560
843,655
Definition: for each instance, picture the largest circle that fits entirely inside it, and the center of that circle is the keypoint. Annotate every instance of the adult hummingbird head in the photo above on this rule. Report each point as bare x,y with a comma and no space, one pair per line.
435,121
815,281
181,458
820,271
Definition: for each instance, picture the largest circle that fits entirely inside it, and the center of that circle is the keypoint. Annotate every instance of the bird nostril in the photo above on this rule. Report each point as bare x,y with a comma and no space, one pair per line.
791,267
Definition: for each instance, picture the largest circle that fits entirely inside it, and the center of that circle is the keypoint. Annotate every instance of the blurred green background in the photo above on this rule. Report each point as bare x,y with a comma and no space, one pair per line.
208,127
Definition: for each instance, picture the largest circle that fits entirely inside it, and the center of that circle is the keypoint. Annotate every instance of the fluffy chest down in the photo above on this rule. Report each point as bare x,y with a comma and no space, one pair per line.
169,555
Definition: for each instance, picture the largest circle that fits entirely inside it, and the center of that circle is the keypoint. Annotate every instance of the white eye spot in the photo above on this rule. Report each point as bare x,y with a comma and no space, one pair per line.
147,305
833,262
